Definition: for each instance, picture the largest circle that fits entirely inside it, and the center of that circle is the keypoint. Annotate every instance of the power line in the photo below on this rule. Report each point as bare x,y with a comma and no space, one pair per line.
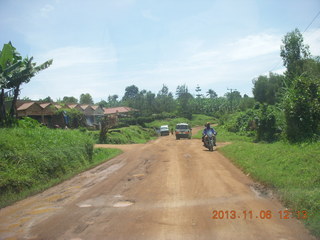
317,15
312,21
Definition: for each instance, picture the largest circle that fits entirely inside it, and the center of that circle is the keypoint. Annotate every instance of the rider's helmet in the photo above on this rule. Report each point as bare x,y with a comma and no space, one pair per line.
208,125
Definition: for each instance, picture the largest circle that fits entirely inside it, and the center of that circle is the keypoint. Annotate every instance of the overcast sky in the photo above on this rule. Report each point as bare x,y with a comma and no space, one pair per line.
101,47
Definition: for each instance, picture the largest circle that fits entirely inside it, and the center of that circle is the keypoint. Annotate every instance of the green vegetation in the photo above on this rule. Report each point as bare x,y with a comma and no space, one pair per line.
32,156
292,171
14,71
196,120
225,136
127,135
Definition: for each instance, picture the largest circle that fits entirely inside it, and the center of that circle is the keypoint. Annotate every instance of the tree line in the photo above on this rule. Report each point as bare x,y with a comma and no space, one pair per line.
284,105
290,103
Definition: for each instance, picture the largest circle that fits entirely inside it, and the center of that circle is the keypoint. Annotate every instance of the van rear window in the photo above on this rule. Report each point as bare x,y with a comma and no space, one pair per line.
182,127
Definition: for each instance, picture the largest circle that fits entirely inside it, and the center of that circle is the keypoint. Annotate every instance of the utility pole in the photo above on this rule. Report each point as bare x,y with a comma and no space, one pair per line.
231,96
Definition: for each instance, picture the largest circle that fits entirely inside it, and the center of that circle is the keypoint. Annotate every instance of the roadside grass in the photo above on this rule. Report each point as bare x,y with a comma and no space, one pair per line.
34,159
291,171
127,135
132,134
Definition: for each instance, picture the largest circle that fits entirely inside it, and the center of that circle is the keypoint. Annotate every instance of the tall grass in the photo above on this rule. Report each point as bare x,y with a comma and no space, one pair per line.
31,158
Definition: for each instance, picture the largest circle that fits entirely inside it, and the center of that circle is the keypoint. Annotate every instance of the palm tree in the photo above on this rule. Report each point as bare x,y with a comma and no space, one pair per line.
212,94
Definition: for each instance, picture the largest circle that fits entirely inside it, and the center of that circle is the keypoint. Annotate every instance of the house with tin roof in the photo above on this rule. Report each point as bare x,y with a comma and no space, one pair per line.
120,111
46,113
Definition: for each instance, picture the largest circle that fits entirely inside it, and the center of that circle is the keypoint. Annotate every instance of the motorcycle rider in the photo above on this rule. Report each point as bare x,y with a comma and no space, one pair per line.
206,130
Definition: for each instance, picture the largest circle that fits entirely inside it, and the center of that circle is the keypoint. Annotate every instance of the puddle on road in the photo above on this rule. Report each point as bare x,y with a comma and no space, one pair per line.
118,196
41,210
123,204
138,175
84,205
261,191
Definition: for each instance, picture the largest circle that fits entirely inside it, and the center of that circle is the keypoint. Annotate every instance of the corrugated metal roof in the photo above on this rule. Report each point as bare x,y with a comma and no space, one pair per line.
72,105
44,105
84,106
25,106
118,110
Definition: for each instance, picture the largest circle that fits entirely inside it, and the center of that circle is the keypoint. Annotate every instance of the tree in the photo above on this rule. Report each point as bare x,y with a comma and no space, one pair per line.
69,100
103,103
47,99
198,90
302,108
164,91
267,89
233,98
113,100
164,100
293,51
212,94
14,71
184,101
8,62
301,100
182,90
86,99
106,123
130,93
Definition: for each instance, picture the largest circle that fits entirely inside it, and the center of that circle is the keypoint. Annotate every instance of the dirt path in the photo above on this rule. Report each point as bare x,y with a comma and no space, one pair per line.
165,189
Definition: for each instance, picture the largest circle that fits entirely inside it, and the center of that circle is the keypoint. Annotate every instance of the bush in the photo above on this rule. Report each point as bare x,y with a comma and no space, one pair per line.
269,124
265,122
242,122
302,109
27,122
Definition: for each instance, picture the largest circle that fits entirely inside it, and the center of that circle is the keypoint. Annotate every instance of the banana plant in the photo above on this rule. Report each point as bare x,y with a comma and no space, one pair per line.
15,71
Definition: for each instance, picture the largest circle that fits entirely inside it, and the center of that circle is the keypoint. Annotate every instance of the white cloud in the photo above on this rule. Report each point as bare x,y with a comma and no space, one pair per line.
80,56
232,64
79,70
312,38
254,46
75,70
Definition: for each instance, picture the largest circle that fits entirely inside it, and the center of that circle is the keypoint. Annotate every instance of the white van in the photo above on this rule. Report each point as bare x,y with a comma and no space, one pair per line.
164,130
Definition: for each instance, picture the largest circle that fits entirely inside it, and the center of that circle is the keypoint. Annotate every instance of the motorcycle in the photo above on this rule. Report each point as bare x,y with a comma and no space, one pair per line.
209,140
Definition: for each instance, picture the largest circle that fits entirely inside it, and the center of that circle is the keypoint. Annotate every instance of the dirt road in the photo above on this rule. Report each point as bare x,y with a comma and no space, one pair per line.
165,189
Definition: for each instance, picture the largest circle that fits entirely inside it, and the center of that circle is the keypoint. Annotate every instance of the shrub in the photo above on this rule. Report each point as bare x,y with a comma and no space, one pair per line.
269,124
302,109
27,122
243,122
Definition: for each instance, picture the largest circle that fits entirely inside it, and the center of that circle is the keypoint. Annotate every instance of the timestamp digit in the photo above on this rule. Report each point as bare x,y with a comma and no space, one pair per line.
268,214
233,214
284,214
305,214
221,214
215,214
249,214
